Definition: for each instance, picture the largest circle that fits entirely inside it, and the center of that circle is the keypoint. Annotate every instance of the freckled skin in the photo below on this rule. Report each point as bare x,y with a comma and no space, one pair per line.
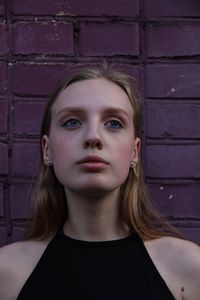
93,135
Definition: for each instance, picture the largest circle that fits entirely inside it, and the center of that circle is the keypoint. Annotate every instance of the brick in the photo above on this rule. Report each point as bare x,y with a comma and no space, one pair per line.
109,39
20,200
127,8
3,159
134,71
25,157
1,200
1,7
37,79
3,116
173,161
192,233
18,234
3,236
43,38
179,8
129,69
176,201
28,117
184,38
2,78
172,120
173,81
3,39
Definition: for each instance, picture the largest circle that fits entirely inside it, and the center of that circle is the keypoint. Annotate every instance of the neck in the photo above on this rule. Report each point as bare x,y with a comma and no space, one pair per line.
94,218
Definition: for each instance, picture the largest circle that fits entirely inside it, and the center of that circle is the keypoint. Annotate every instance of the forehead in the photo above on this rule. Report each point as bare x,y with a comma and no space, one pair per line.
93,93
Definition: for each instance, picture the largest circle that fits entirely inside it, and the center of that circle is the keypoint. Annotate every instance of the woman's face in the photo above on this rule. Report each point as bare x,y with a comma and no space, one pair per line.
91,141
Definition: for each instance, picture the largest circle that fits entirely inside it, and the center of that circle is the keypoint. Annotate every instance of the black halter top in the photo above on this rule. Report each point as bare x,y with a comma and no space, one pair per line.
71,269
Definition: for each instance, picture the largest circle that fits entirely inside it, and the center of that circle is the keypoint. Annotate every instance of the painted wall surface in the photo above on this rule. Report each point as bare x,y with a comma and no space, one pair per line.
157,41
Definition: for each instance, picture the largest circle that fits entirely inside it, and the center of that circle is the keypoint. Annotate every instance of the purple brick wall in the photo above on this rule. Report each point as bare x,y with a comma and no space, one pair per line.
155,41
109,39
48,37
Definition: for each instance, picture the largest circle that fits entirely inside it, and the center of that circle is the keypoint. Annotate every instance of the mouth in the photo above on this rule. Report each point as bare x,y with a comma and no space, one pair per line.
92,159
93,163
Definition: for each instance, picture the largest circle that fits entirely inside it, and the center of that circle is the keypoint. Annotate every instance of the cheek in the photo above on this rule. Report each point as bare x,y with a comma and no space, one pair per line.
60,150
123,158
124,152
61,153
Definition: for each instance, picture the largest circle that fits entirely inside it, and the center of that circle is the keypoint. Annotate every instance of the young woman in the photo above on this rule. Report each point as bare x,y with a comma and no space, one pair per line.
93,234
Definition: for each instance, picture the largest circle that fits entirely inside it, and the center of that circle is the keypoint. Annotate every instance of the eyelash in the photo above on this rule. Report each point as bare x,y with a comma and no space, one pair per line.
71,127
119,124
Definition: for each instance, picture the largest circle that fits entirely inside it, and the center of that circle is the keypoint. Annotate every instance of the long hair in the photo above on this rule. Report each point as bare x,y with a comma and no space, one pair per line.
49,210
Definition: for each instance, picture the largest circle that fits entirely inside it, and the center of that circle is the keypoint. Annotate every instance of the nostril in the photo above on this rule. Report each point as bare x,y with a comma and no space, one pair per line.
94,143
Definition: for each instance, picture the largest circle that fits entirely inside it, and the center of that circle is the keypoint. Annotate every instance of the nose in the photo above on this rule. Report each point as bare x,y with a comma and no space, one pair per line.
93,138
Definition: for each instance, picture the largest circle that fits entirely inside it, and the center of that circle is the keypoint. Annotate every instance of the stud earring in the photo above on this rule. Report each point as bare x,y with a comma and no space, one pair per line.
133,164
48,162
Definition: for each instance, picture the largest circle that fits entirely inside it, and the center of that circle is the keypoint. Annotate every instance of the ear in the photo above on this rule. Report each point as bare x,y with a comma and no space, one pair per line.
136,150
46,149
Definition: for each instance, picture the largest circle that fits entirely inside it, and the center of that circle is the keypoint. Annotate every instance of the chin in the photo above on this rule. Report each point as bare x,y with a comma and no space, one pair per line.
94,191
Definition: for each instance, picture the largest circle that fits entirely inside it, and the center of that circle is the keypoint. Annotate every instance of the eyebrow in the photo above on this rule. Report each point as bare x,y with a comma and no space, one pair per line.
107,110
70,110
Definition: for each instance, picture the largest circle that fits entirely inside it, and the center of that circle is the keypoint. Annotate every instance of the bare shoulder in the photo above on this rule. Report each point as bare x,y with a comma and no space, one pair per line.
174,244
181,259
187,254
19,251
17,261
182,251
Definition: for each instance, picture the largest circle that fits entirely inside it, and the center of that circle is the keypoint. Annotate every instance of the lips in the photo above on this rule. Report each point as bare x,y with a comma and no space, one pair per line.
92,159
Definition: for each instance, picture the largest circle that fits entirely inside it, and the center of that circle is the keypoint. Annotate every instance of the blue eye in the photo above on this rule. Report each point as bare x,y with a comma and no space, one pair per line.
72,123
114,124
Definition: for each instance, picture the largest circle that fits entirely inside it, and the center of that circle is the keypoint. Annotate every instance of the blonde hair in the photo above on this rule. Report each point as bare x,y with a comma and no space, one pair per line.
49,210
